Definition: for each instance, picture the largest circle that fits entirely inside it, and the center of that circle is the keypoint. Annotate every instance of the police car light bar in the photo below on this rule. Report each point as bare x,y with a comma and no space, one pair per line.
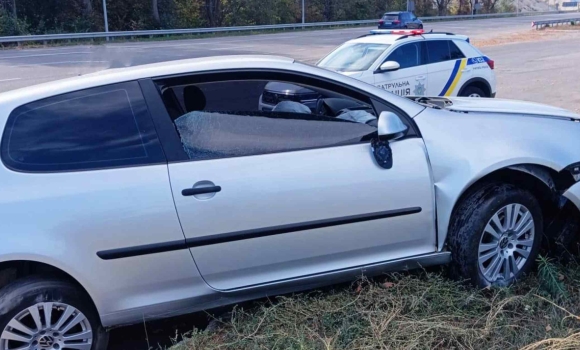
399,32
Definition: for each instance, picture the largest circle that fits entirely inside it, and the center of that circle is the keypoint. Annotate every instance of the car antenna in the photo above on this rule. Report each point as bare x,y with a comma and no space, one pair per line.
431,31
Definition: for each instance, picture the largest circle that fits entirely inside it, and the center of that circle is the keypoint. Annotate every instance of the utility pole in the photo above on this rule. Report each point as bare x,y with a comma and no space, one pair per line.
517,7
303,11
105,15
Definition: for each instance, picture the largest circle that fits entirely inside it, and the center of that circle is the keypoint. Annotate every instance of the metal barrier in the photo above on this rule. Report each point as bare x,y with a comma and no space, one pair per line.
96,35
542,24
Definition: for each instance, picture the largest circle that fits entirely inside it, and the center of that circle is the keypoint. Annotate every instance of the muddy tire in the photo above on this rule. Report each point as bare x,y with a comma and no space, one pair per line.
495,235
48,313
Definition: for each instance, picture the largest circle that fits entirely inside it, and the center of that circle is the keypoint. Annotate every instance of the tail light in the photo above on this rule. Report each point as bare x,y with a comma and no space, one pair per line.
397,22
491,64
382,21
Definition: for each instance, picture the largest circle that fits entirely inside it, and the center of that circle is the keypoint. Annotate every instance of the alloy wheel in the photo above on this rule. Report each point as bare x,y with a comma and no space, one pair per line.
506,243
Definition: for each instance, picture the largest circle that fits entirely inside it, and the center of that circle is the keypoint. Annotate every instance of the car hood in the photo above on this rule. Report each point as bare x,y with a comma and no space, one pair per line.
352,74
493,105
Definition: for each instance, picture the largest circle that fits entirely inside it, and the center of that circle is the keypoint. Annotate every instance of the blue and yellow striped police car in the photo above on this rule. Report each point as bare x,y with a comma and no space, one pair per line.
410,63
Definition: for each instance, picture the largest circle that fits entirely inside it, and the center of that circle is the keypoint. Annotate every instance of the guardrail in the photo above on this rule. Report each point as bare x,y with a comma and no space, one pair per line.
151,33
551,23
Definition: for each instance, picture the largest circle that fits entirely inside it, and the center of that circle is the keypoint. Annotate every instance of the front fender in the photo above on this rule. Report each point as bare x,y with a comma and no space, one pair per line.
465,147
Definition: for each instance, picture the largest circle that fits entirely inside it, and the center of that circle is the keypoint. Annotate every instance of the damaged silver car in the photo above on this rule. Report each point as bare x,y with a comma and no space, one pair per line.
147,192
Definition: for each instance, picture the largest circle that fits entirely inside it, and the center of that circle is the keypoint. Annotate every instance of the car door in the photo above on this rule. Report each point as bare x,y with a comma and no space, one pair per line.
447,68
265,197
411,78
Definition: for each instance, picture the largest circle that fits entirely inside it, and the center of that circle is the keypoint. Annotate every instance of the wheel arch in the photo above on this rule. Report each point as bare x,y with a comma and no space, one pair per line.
545,183
478,82
15,269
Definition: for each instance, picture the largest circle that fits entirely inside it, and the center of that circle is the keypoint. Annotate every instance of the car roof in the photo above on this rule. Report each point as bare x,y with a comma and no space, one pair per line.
392,38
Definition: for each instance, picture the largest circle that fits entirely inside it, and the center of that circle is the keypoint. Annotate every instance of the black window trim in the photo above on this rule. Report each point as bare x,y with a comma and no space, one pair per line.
5,140
167,132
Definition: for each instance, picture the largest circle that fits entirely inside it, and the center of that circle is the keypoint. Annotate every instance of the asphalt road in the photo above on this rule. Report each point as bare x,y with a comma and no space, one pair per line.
20,68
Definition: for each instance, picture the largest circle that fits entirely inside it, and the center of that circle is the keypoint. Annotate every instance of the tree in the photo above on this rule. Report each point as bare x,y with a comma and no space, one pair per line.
155,11
87,7
489,5
328,10
442,6
213,12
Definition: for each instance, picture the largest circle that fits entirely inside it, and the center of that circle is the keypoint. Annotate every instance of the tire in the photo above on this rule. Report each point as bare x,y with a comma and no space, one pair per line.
35,296
472,91
469,230
420,26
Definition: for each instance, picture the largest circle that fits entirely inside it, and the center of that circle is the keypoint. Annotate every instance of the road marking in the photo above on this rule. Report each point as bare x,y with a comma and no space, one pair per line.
11,79
51,63
46,54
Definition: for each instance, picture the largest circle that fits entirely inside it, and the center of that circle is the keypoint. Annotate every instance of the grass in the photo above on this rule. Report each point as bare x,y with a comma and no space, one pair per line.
420,310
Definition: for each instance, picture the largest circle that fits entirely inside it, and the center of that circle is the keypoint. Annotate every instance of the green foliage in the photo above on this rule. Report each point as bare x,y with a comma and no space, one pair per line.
11,26
551,278
66,16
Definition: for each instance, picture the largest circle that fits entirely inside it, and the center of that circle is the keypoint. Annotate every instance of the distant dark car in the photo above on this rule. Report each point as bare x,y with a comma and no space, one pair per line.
400,20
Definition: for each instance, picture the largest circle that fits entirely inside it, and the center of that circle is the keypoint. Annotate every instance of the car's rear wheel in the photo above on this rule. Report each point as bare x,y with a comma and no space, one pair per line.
495,235
47,314
473,91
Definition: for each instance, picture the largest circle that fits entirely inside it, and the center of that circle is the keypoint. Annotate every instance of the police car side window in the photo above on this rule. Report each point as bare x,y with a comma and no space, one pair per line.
408,55
438,51
455,51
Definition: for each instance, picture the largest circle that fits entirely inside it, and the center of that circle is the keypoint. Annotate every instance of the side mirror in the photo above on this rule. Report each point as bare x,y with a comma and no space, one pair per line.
390,126
388,66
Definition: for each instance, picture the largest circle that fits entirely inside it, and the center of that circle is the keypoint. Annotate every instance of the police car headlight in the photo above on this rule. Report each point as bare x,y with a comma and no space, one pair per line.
574,170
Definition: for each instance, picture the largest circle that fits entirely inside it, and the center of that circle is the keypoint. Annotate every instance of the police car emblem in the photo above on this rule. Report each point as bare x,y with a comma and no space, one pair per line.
419,90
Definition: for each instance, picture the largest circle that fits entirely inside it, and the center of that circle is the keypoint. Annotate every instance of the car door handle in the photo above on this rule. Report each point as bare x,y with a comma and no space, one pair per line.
200,190
420,77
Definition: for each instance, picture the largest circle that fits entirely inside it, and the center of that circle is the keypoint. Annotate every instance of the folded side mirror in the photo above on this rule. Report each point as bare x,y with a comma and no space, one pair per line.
388,66
390,126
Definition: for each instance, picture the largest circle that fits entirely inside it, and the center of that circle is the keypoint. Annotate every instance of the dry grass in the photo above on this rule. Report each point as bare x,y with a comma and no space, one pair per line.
408,311
527,36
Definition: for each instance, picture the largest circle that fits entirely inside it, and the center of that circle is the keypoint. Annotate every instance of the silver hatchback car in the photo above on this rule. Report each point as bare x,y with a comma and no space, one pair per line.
158,190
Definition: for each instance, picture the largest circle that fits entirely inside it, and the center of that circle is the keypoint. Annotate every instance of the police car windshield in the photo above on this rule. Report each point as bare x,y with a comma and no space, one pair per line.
353,57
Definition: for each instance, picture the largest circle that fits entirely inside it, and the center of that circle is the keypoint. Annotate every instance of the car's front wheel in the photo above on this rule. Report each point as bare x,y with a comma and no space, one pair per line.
495,235
37,313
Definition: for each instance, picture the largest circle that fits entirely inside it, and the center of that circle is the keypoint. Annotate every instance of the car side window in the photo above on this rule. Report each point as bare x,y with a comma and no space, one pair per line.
224,119
455,52
407,55
438,51
97,128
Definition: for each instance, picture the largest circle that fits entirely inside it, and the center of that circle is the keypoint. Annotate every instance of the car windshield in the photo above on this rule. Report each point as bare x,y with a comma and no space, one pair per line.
353,57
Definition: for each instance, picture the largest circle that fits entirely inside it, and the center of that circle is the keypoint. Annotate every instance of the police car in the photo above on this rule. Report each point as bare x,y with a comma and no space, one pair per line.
404,62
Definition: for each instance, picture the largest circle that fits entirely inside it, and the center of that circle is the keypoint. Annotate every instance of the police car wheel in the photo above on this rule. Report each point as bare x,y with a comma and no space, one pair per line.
473,91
